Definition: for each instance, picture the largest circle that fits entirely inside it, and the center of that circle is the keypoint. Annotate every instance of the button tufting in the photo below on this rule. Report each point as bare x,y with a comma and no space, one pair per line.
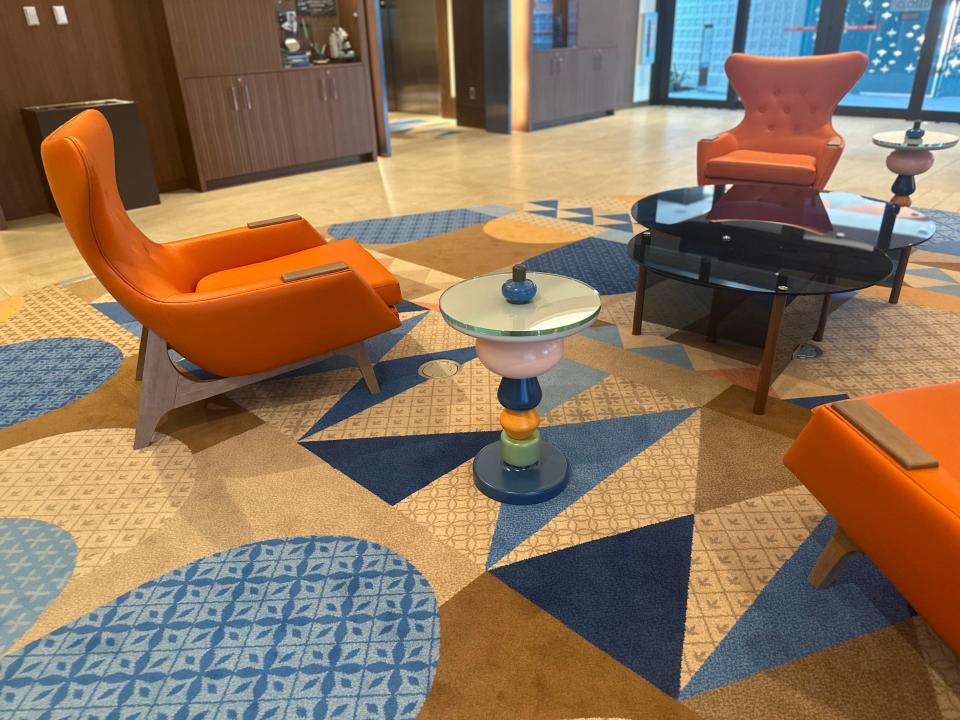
771,128
786,109
776,91
762,108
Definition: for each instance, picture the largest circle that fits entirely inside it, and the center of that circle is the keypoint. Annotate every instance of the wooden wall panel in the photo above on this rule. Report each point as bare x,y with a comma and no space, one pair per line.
468,50
110,48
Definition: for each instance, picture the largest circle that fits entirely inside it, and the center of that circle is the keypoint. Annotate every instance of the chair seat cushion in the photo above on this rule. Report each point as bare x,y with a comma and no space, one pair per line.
348,251
757,166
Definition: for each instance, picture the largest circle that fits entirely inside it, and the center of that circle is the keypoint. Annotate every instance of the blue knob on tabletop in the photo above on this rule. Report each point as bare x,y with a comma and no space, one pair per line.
519,290
916,132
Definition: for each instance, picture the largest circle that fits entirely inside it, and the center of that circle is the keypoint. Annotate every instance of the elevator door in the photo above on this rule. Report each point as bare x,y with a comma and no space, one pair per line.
411,55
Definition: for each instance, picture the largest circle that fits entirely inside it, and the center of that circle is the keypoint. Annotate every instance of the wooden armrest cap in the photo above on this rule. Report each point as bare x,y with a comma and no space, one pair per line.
885,435
314,271
710,138
834,143
273,221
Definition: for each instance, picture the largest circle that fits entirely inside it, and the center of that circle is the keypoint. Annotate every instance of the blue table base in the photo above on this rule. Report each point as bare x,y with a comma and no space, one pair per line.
520,486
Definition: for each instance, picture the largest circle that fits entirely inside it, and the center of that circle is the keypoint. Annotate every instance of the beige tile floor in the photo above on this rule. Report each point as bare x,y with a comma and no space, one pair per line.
633,152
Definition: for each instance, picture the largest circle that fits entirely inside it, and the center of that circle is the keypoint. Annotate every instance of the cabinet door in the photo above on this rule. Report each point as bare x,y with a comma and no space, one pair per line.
598,23
352,109
216,127
309,122
569,101
588,67
543,87
223,37
606,76
264,113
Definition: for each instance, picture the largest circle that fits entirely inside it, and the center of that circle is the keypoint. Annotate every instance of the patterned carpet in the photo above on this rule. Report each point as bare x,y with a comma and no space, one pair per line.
302,549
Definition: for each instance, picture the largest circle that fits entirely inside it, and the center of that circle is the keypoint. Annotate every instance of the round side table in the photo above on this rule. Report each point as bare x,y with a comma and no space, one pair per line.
519,343
911,158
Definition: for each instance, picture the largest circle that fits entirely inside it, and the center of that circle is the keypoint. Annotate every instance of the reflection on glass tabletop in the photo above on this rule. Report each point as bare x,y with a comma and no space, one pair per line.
829,217
562,306
931,140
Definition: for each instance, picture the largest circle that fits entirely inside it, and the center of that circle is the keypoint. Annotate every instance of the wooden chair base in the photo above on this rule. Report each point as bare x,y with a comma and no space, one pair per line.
165,386
832,558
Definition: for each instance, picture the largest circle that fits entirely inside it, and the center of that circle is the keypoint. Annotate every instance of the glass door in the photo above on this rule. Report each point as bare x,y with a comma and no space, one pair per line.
703,32
782,27
942,92
891,34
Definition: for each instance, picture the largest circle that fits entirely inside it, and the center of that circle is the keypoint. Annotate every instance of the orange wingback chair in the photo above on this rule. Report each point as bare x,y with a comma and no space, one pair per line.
786,135
887,468
221,300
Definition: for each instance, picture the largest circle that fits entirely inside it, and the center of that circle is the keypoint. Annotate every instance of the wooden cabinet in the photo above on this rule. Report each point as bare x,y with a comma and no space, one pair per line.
309,121
599,23
220,37
598,79
264,114
216,127
554,86
351,108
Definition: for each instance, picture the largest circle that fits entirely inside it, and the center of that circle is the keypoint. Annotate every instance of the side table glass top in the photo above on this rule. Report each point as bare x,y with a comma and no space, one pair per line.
561,307
931,140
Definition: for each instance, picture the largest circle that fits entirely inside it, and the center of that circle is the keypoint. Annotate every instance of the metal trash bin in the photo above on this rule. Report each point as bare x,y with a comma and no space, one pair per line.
135,177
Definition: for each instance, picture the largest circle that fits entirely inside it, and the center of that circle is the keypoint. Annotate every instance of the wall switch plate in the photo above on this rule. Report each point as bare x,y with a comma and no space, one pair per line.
60,14
30,13
472,92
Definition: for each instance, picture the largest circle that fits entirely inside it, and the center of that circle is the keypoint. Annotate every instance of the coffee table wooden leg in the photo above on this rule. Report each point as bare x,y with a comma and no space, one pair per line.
824,314
769,352
898,276
714,320
638,303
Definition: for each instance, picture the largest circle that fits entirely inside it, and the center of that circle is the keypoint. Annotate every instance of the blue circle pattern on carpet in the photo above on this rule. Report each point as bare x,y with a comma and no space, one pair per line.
36,560
38,376
304,627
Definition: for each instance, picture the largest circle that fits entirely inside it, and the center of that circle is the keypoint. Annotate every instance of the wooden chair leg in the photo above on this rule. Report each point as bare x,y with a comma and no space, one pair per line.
142,352
158,393
359,354
833,556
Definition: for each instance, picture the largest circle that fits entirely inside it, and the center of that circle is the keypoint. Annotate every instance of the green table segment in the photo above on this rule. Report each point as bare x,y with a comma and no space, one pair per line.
520,342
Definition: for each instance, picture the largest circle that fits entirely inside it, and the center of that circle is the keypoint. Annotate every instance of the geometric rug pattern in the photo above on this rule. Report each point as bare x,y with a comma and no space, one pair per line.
241,567
36,559
313,627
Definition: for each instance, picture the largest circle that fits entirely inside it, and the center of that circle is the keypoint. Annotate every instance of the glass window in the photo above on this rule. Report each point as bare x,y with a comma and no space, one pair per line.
702,40
891,33
943,87
782,27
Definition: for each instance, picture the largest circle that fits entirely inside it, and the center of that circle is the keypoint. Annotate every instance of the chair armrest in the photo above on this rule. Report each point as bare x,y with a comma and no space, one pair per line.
273,221
827,161
713,147
315,271
263,325
205,254
885,435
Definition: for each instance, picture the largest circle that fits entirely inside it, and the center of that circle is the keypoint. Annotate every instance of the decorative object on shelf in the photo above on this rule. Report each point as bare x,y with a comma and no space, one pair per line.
519,342
338,45
519,290
317,8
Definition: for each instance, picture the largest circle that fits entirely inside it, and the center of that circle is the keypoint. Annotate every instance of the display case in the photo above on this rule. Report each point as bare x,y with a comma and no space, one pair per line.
554,24
311,33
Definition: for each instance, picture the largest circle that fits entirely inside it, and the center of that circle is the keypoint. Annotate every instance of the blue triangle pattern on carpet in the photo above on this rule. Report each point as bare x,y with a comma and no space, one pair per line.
393,468
627,594
811,402
588,220
408,306
566,380
931,273
547,203
579,211
620,217
602,264
674,354
791,619
395,376
622,227
946,289
544,213
609,334
594,451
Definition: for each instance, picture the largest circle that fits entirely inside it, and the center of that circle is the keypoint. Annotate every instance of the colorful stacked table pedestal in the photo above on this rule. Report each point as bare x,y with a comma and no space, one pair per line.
520,343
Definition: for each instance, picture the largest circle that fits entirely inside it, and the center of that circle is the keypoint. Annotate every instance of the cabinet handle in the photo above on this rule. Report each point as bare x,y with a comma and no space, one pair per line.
336,93
233,93
246,93
323,89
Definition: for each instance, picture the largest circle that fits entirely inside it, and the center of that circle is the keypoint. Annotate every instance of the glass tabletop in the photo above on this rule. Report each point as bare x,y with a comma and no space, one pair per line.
931,140
561,307
769,239
838,218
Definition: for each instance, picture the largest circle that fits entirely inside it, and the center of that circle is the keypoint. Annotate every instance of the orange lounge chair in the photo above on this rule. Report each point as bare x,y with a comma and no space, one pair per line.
786,135
887,468
244,304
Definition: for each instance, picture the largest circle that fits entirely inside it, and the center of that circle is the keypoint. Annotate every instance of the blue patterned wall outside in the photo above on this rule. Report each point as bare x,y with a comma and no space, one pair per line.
36,560
304,627
38,376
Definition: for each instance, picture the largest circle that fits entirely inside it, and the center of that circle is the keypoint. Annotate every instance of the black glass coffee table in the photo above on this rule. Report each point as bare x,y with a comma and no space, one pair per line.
770,240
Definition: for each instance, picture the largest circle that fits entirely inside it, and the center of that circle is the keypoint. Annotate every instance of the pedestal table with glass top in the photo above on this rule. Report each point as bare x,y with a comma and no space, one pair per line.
910,157
520,343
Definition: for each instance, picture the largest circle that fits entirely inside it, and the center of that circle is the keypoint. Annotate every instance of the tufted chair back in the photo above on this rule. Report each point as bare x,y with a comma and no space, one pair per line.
789,101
